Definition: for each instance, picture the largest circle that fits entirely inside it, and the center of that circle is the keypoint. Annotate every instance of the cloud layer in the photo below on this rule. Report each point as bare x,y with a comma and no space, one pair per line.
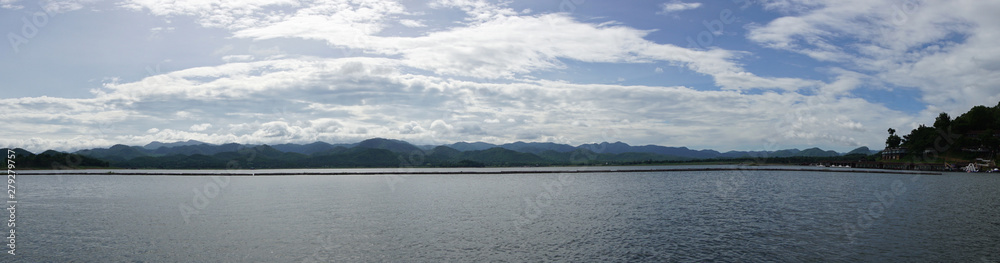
462,70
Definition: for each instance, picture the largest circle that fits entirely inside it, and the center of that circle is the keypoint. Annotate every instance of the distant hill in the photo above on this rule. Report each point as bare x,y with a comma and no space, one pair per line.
389,144
52,160
18,152
204,148
745,154
156,145
307,148
473,146
367,153
117,153
861,150
537,147
817,152
443,154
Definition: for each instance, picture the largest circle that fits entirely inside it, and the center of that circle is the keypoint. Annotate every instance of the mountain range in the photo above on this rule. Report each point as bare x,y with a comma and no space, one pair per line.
379,152
192,147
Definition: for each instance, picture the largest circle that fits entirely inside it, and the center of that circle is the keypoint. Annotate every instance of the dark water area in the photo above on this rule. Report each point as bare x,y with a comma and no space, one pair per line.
721,216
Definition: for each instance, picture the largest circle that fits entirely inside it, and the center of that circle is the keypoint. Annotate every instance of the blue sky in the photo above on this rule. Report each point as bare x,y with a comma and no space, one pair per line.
724,75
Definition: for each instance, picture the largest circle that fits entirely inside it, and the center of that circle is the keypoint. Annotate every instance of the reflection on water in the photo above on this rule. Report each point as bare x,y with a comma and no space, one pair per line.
656,216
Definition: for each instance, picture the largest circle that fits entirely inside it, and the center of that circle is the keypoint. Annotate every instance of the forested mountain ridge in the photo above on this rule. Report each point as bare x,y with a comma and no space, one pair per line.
379,152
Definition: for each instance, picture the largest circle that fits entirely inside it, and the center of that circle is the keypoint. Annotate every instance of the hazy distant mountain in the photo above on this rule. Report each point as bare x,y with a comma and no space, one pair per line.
117,153
817,152
745,154
581,155
307,148
501,156
537,147
783,153
193,154
18,152
620,147
861,150
50,153
204,148
442,154
156,145
389,144
50,159
473,146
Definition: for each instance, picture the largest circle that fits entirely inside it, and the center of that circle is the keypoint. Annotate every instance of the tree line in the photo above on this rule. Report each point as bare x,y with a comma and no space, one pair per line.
970,135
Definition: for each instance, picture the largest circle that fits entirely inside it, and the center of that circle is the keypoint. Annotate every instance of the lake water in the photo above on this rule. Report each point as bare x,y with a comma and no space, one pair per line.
734,216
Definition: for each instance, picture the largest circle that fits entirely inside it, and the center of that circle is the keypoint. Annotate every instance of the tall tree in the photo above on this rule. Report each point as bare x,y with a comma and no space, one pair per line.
893,141
919,139
942,122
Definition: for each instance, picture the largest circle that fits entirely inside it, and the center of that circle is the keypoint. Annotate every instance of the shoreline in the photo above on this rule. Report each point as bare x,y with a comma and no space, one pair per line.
473,172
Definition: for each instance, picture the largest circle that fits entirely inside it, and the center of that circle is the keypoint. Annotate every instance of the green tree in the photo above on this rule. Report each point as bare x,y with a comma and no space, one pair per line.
893,141
919,139
989,141
943,121
976,119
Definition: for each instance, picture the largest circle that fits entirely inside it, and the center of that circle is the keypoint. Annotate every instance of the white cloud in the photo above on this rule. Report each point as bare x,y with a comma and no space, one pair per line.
350,25
676,6
478,10
211,13
943,49
322,101
10,4
201,127
441,126
237,58
64,6
411,23
497,43
411,127
473,80
183,114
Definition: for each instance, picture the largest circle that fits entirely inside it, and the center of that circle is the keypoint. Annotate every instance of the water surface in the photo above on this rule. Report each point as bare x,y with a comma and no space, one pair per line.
652,216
